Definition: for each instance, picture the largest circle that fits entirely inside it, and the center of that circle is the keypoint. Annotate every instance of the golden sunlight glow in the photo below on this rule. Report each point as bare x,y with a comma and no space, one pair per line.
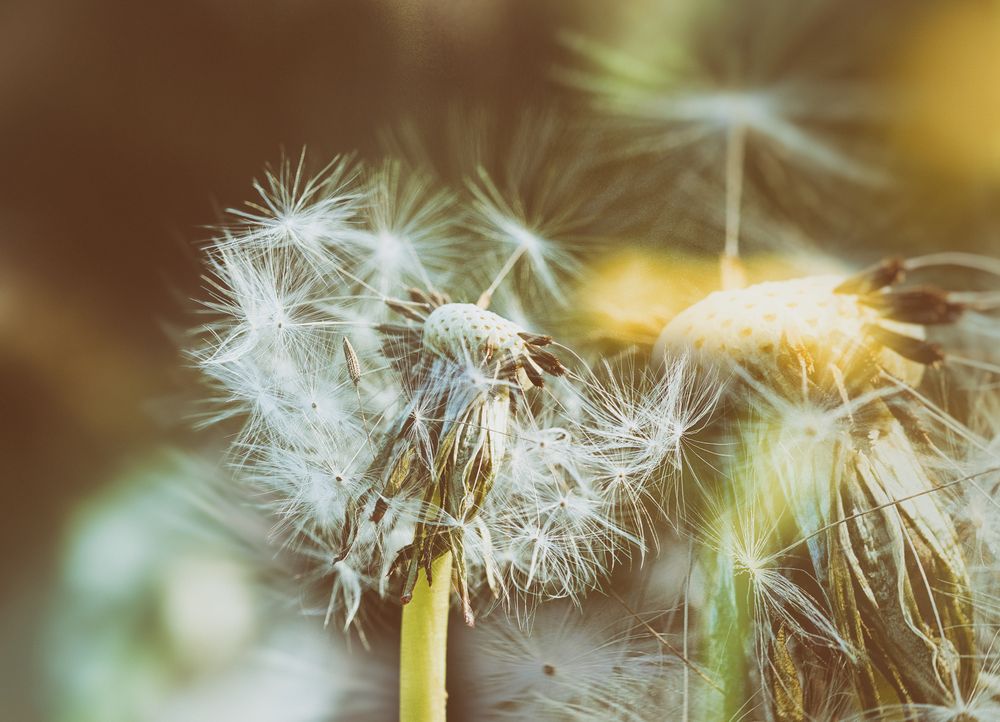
949,84
633,294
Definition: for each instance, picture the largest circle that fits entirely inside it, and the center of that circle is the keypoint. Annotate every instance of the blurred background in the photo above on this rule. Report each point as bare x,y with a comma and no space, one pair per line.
126,128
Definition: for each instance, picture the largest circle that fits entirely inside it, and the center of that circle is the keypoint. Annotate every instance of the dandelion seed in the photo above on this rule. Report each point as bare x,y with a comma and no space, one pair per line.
309,215
689,103
353,365
742,132
650,419
541,206
407,232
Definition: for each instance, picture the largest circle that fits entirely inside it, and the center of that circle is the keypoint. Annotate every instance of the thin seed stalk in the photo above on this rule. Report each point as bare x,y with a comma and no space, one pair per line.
423,646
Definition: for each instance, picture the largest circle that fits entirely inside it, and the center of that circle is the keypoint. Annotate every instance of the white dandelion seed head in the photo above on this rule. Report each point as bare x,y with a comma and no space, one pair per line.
353,403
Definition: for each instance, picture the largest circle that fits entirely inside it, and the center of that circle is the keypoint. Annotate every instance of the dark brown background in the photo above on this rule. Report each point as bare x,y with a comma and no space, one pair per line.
126,126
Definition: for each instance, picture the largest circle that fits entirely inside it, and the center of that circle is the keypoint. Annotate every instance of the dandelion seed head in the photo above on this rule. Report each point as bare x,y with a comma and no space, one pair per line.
456,329
827,422
385,424
752,322
768,326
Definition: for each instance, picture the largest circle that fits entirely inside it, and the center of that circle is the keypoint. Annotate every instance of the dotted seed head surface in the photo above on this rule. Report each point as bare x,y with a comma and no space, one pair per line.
754,325
456,330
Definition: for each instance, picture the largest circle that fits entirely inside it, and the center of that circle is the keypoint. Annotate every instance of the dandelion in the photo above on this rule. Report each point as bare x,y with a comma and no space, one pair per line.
832,514
743,133
472,367
402,440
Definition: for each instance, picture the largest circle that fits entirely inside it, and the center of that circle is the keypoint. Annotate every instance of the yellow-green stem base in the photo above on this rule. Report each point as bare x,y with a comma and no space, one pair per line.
423,647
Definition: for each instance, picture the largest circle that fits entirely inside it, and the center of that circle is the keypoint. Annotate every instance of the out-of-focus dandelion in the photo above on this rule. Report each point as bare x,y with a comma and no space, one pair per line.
567,664
827,534
168,612
764,131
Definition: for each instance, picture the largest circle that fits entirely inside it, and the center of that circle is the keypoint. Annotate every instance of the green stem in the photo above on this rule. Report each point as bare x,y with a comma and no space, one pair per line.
423,646
727,631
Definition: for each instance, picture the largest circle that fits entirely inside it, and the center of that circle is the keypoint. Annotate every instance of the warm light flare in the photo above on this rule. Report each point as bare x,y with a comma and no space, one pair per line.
949,89
633,294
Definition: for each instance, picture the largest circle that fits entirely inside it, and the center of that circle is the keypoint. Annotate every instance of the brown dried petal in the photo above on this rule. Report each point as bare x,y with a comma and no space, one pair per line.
925,306
887,273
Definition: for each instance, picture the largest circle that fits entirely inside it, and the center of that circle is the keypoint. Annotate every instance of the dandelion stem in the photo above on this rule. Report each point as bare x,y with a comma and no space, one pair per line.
487,295
726,628
424,645
735,153
735,150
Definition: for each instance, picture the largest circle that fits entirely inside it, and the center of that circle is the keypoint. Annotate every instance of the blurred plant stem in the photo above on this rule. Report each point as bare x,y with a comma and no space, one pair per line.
424,646
726,629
